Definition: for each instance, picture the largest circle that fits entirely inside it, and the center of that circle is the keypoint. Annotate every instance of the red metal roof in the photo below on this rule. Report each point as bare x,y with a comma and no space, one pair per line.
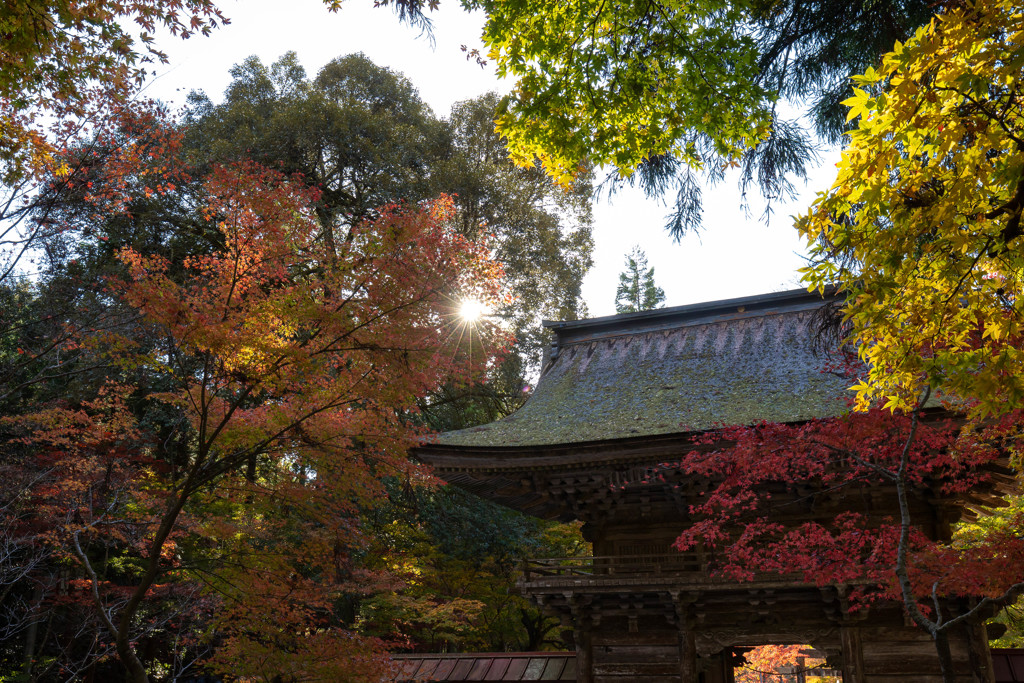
1008,665
491,666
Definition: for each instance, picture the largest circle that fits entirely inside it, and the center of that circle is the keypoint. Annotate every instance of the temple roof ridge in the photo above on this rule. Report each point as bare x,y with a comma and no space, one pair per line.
687,314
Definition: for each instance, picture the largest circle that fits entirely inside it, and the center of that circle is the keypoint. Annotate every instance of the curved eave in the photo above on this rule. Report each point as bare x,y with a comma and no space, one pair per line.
514,476
522,477
444,457
564,456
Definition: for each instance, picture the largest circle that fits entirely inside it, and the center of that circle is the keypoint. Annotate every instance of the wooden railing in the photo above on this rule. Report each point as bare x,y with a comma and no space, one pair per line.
613,566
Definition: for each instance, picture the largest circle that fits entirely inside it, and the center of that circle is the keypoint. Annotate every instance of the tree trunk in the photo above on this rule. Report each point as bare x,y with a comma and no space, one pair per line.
33,630
941,639
136,672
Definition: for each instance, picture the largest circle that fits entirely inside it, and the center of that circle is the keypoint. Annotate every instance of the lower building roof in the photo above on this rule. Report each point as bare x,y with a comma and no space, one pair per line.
495,666
1007,664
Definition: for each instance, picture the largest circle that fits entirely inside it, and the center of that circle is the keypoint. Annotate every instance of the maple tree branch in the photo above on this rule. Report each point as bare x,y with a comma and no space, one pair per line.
1014,207
1007,597
992,116
94,581
853,456
226,463
902,575
935,602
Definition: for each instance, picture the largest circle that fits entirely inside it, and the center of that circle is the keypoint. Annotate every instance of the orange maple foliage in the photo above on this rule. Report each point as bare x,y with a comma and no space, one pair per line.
779,664
64,59
296,368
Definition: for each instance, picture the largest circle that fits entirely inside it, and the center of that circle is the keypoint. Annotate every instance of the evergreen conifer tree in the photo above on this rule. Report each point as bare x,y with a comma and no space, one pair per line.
637,291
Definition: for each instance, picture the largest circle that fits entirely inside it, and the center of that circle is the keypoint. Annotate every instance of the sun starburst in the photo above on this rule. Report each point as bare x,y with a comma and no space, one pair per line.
472,310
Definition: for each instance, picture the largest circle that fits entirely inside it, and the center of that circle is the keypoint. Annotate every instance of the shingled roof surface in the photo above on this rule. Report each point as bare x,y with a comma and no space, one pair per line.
670,370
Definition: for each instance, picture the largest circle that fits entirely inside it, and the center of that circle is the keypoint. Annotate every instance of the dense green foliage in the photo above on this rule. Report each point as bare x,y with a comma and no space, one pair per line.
678,92
636,290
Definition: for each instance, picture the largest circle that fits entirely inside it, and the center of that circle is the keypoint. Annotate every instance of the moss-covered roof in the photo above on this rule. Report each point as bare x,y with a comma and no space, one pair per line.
673,370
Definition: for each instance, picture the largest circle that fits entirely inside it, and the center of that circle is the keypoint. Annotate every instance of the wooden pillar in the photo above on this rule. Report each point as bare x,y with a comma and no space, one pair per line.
687,655
978,652
583,623
584,653
853,655
688,671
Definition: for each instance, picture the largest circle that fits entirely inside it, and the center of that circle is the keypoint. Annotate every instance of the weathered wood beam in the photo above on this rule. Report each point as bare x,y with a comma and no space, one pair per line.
853,655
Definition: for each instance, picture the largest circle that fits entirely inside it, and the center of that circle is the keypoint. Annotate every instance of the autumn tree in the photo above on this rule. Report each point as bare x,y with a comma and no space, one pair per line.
361,133
131,187
292,372
637,291
64,58
83,245
768,662
69,68
920,225
919,228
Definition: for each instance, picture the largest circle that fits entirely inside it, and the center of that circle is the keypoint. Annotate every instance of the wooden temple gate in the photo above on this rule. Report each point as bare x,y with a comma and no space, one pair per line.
620,395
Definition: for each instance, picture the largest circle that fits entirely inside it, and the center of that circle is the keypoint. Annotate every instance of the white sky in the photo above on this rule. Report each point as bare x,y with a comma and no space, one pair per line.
735,255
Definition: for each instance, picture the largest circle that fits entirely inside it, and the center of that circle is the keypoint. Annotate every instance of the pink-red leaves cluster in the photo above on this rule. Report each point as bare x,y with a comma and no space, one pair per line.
817,501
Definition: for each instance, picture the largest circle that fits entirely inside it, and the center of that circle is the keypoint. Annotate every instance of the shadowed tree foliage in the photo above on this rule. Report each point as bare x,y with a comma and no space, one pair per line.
461,556
357,131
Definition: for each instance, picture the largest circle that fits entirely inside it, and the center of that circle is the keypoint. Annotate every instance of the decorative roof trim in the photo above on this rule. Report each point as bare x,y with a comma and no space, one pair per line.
575,331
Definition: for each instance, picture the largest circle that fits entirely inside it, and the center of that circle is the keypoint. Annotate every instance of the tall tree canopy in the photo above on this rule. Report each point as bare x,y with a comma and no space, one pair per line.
673,91
636,290
361,134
